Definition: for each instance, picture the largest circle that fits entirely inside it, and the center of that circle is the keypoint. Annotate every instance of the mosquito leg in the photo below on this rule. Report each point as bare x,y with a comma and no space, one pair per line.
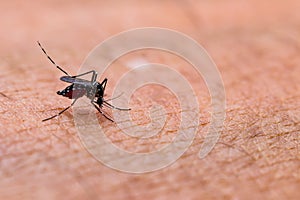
100,111
58,67
61,112
94,76
114,107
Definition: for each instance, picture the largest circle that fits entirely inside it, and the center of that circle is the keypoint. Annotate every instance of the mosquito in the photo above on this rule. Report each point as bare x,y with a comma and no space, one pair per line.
81,87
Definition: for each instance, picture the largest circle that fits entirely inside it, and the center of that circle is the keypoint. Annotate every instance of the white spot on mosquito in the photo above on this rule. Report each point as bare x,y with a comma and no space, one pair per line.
136,63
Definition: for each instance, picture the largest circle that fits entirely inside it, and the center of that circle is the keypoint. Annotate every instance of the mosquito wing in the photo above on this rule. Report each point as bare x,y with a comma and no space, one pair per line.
70,79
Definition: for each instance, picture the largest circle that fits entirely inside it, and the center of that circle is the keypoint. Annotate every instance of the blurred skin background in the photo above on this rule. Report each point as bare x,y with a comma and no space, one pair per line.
255,45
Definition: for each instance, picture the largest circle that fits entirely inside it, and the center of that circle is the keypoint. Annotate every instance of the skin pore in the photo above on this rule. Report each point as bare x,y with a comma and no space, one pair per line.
255,47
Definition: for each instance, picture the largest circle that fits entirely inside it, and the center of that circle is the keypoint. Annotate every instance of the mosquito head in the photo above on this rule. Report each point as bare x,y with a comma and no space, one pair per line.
99,91
100,101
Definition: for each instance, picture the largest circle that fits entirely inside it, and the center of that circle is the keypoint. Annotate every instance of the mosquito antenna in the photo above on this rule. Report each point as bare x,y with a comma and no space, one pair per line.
58,67
115,97
114,107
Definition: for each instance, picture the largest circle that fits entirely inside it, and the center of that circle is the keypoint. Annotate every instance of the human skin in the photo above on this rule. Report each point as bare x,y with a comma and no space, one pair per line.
255,46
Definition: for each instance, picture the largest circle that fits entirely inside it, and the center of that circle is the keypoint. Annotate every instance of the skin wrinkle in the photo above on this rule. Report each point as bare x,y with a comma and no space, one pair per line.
45,155
258,146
